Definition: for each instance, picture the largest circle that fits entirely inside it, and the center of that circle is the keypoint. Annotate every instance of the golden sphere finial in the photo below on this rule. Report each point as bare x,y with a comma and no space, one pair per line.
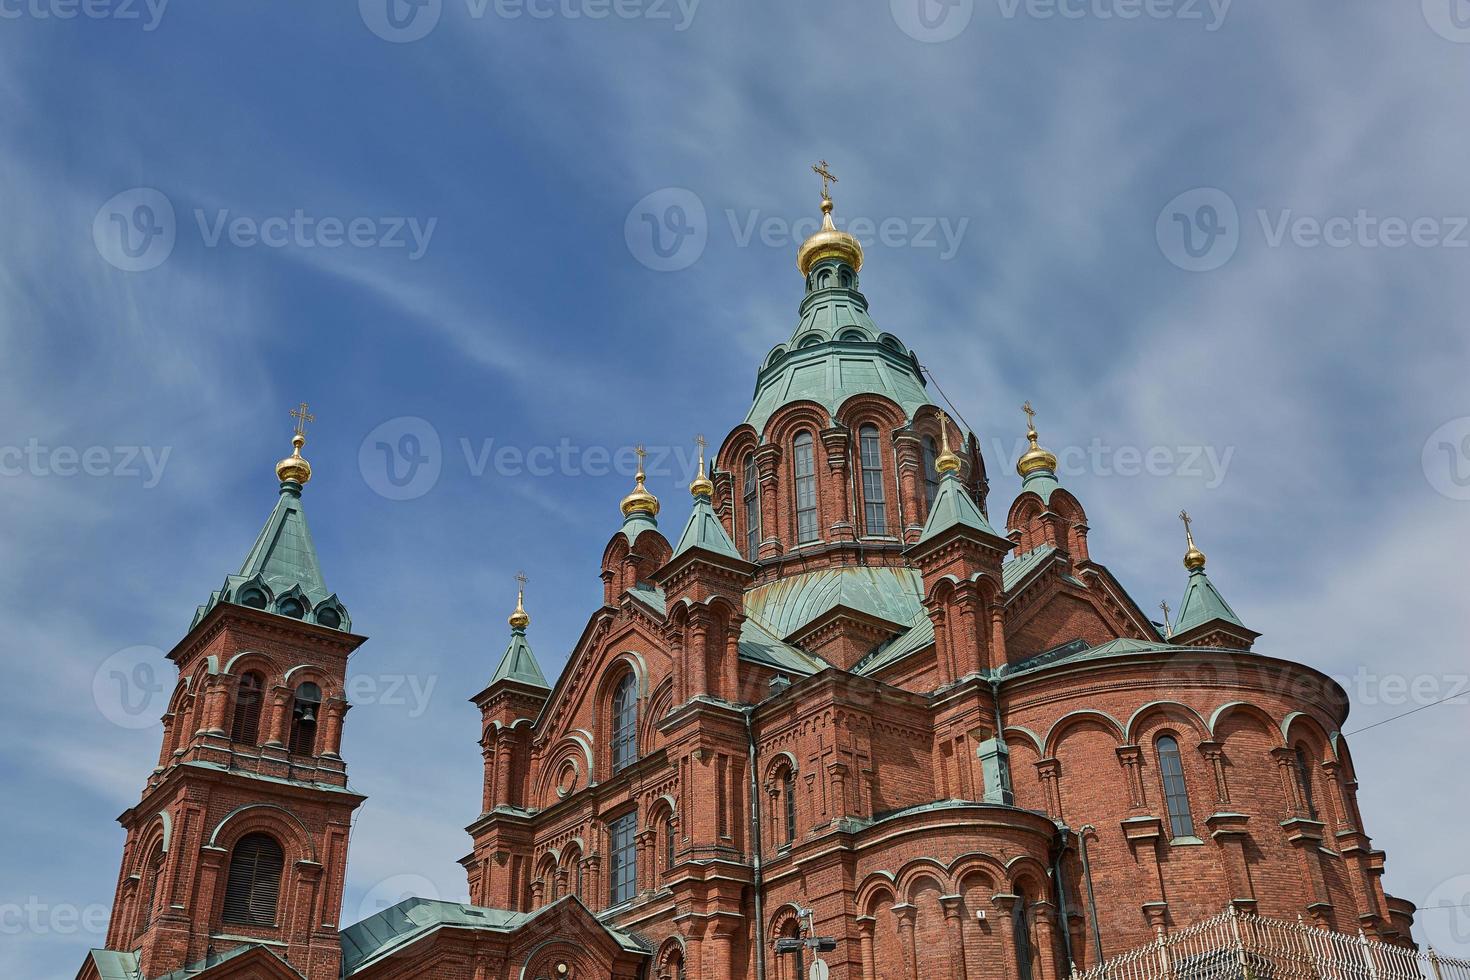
1035,458
1194,559
828,242
519,619
640,501
702,485
946,461
294,468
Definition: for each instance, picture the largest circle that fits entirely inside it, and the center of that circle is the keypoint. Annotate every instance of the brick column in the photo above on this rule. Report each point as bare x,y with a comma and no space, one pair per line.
865,924
909,451
768,465
1050,772
905,916
997,635
503,755
644,840
696,653
1131,758
1214,754
942,652
954,928
334,710
1045,915
1005,907
836,442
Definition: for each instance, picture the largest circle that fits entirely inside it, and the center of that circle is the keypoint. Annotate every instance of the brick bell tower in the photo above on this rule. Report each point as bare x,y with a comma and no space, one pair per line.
235,855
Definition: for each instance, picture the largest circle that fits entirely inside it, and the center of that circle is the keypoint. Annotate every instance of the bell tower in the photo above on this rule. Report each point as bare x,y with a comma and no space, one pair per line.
238,846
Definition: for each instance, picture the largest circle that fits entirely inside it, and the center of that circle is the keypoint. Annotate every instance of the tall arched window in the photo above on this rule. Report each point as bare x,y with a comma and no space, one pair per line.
931,472
246,725
752,509
625,722
671,842
1304,780
152,871
253,888
788,790
806,488
1021,935
875,503
1176,793
304,711
622,871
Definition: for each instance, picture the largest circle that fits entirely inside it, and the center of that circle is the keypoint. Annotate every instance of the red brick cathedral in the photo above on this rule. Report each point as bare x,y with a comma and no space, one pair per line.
841,703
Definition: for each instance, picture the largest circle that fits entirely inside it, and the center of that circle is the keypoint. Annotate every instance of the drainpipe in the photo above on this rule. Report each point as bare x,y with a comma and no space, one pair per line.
755,847
1082,833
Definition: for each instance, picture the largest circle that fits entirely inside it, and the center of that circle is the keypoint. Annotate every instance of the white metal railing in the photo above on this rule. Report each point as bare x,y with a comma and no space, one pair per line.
1236,945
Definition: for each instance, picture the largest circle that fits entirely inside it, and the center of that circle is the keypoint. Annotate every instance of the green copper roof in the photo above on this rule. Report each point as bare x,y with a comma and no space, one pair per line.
112,965
383,934
636,523
1202,604
953,507
786,605
829,372
281,574
704,530
1042,483
519,663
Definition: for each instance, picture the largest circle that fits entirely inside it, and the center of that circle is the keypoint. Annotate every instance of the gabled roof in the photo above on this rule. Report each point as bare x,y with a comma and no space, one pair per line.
786,605
389,931
1202,604
112,965
519,663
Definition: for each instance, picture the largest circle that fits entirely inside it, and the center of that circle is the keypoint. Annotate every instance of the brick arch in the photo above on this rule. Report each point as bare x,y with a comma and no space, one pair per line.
1082,716
1027,736
1173,711
660,700
1023,871
942,590
786,421
1298,726
730,457
976,864
669,959
252,660
288,829
574,748
918,870
779,762
1250,709
869,408
873,889
320,676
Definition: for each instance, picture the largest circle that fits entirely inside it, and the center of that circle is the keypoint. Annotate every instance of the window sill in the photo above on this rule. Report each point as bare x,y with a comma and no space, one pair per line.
1185,842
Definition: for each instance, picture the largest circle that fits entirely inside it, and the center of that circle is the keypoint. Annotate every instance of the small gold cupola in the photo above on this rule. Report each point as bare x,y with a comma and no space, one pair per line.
828,242
1035,458
294,468
520,619
1194,559
640,501
946,461
702,485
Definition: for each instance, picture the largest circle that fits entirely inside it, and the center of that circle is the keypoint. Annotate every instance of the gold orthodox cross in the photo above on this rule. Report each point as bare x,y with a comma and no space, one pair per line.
828,177
302,416
1168,630
1030,415
1184,516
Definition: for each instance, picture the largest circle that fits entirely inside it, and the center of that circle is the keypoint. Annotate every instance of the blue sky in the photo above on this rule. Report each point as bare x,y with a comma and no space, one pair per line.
1033,169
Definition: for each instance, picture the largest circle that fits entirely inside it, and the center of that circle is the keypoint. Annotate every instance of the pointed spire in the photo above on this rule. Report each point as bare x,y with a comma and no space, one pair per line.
953,504
1202,602
519,663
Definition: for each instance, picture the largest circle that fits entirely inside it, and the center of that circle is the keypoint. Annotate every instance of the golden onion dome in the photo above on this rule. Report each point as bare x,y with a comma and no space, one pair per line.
946,461
702,486
1194,559
520,619
294,468
1035,458
640,501
829,243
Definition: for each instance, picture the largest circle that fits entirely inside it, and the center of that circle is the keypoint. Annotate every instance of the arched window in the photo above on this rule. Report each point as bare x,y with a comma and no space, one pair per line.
579,877
752,508
152,871
246,725
1304,780
291,606
304,710
875,508
788,790
1021,934
931,472
253,888
1176,793
622,852
625,723
671,842
806,488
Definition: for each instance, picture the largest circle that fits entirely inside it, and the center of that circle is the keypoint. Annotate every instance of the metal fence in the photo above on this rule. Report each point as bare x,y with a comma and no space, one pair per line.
1236,945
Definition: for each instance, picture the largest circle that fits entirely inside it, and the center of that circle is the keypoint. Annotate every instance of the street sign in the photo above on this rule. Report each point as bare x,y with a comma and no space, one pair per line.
818,971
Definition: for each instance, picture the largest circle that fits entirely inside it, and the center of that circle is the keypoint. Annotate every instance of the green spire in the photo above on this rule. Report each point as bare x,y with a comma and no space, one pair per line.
705,531
1202,602
519,663
953,506
281,573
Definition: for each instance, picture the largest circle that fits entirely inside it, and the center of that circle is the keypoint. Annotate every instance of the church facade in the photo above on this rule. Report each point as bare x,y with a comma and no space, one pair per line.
842,702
